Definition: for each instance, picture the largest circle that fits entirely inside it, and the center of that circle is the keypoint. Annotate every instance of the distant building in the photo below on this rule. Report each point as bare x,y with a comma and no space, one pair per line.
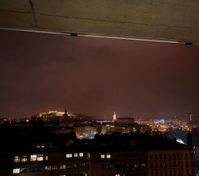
114,117
193,121
85,131
125,120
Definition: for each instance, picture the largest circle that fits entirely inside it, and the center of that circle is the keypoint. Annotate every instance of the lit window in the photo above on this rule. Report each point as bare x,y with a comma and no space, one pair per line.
75,155
117,174
69,155
54,167
46,157
24,159
102,156
63,166
33,157
108,156
16,171
40,157
88,155
23,170
81,154
47,168
17,159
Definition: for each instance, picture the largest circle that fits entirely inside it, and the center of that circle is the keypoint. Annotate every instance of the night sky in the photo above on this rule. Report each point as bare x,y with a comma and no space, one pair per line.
40,72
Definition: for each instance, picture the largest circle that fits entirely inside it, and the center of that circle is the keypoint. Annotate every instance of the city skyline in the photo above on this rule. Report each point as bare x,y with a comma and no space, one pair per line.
95,76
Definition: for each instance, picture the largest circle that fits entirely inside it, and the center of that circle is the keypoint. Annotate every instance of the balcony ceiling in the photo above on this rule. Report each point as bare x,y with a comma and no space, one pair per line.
170,20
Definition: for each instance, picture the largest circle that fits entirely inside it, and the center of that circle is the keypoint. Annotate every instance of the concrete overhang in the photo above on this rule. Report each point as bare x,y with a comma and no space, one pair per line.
169,20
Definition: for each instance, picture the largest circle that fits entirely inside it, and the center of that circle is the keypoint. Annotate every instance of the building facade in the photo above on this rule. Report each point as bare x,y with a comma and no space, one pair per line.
171,162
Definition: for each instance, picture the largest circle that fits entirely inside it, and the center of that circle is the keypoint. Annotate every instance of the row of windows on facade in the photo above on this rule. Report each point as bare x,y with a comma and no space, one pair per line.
22,170
81,165
171,173
124,167
32,158
169,164
169,156
18,171
66,166
105,156
42,146
75,155
84,166
41,157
